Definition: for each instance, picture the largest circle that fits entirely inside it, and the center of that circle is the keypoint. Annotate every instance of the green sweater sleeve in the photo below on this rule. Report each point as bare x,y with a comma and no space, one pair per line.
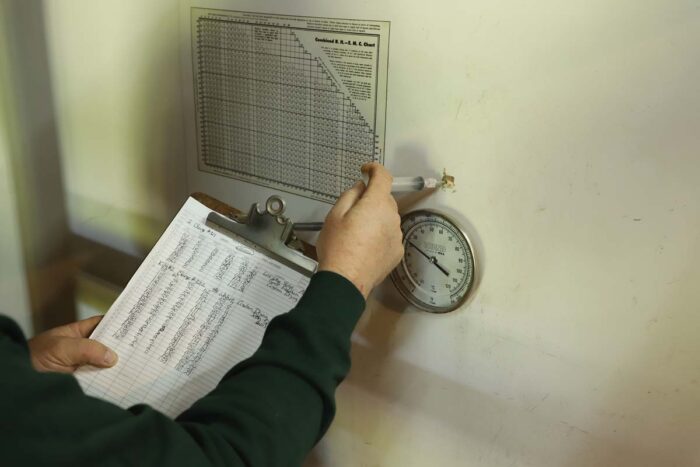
269,410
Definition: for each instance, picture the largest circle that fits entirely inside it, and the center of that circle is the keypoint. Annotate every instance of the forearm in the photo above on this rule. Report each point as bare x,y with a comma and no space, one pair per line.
274,406
268,410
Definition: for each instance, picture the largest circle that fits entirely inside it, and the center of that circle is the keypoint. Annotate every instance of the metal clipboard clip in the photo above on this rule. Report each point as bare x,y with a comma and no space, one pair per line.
267,231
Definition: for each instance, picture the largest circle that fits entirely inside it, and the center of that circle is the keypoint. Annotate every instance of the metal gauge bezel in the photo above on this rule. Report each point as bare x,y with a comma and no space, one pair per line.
398,283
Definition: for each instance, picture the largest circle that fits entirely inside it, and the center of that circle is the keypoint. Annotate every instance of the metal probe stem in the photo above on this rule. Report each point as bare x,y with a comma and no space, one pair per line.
308,226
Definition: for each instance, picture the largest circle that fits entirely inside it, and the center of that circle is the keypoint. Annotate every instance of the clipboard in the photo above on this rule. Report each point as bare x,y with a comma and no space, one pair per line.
263,228
199,303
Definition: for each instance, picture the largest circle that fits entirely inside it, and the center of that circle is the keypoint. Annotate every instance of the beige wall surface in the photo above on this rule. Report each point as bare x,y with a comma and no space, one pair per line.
13,283
572,131
115,71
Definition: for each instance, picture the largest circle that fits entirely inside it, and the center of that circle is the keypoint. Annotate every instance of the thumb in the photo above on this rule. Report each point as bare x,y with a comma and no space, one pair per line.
77,352
348,199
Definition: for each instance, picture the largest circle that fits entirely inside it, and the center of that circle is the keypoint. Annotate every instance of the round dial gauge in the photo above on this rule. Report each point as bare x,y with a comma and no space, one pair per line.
437,270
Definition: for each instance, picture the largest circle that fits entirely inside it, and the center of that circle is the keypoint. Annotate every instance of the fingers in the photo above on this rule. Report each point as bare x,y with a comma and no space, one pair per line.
75,352
82,328
378,192
86,326
379,178
348,199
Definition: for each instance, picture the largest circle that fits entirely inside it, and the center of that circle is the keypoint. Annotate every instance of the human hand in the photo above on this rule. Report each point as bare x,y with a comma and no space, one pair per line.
361,237
66,348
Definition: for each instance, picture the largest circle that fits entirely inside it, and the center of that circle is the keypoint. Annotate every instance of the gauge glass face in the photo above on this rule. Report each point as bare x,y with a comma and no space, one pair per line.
437,270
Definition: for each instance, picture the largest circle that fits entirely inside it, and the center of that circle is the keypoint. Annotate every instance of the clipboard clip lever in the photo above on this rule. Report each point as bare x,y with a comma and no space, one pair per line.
266,230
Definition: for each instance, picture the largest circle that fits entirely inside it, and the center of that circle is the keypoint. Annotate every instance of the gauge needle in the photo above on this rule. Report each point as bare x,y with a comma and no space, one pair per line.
432,259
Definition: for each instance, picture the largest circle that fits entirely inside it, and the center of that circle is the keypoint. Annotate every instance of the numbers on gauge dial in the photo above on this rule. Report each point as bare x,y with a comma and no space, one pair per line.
437,268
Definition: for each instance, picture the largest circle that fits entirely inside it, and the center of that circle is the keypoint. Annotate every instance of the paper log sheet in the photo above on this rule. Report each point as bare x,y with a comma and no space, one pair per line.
197,305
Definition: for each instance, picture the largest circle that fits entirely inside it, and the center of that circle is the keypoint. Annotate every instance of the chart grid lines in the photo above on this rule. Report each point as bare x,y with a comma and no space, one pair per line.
269,112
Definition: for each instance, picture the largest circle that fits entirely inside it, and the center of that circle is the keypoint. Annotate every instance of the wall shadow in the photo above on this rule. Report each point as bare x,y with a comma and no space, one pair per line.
65,229
36,167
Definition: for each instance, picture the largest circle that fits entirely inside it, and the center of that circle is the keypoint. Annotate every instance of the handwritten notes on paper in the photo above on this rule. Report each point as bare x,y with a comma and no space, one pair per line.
198,304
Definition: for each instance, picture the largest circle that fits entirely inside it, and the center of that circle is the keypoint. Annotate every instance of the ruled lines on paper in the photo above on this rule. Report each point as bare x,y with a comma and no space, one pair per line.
198,304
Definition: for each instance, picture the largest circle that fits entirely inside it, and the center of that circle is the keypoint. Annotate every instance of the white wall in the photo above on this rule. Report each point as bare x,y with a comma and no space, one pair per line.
572,130
37,275
115,71
13,282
